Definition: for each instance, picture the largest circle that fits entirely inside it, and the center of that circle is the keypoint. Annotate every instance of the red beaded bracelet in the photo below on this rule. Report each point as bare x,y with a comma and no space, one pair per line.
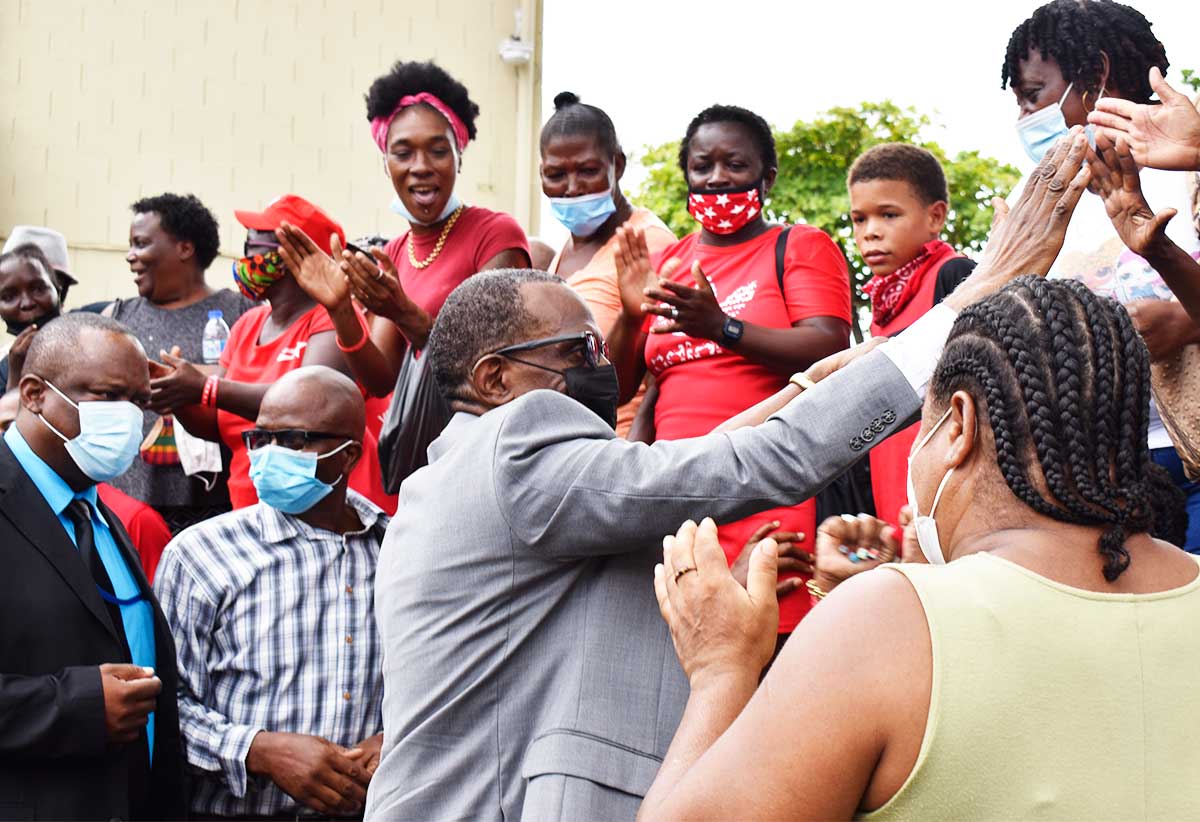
208,397
366,335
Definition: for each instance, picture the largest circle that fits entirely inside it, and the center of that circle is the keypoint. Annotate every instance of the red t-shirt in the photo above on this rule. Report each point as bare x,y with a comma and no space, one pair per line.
246,360
889,459
701,384
478,236
147,529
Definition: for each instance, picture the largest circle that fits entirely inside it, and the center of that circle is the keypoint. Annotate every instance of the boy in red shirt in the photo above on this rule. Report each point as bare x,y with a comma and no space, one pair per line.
898,205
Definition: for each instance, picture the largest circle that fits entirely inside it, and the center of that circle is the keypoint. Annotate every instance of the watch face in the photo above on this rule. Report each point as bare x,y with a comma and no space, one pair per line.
733,329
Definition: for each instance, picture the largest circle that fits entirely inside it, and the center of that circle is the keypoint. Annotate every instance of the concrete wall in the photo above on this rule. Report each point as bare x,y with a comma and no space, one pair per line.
238,101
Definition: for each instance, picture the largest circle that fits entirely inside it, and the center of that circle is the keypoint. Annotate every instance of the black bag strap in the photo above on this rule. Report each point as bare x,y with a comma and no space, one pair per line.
780,252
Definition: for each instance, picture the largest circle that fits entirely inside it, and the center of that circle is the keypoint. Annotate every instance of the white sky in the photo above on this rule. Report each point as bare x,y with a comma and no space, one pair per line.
653,65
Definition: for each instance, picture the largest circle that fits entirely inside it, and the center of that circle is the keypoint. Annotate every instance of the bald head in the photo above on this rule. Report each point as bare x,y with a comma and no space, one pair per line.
315,398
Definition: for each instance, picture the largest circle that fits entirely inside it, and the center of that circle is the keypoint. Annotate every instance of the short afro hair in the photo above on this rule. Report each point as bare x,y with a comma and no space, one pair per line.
573,117
184,217
411,77
905,163
759,128
1074,33
484,314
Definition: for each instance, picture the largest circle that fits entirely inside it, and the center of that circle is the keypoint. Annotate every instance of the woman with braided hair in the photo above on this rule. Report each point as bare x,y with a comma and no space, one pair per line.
1047,669
1059,62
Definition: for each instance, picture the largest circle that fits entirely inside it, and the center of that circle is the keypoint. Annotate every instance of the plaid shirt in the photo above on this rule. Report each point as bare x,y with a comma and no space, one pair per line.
275,629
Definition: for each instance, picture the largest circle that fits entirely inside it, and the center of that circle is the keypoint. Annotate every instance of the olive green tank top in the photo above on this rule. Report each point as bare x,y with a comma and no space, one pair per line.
1051,702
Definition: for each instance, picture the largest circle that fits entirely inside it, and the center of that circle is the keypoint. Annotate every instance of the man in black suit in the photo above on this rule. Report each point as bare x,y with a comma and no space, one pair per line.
88,722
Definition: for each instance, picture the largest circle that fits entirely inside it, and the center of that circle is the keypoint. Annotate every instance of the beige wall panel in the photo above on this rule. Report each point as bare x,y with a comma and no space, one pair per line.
237,101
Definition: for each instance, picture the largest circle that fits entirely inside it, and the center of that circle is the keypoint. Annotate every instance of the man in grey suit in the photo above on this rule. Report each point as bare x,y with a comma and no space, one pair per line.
527,672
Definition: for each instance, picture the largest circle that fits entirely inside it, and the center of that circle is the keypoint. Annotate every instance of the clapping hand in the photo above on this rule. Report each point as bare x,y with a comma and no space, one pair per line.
635,274
174,383
692,311
791,558
376,284
16,356
717,625
1165,136
313,270
1115,179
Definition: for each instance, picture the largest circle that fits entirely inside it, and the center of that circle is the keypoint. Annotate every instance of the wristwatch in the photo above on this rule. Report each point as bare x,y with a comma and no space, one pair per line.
731,332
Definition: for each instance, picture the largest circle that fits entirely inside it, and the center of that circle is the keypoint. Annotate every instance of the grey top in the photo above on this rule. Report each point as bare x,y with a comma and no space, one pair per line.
159,329
515,598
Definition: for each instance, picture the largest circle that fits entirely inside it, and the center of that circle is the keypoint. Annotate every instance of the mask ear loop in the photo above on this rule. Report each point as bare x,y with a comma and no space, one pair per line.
342,475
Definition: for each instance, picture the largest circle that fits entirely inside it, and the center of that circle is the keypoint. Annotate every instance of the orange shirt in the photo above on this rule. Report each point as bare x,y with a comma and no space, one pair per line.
596,283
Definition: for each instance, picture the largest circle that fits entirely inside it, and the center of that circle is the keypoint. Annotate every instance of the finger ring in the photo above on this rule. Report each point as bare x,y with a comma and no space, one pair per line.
379,275
681,572
674,313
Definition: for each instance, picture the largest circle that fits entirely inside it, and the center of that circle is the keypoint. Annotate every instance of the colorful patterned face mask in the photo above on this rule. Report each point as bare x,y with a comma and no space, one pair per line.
255,274
727,211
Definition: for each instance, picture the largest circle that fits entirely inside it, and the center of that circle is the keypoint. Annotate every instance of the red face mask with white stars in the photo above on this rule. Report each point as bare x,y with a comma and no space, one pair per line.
725,211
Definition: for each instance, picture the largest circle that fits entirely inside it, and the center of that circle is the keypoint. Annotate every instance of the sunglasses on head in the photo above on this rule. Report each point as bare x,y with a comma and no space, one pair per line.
594,346
290,438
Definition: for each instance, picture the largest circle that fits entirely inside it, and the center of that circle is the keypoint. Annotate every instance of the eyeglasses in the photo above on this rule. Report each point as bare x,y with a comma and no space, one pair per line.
594,346
291,438
252,248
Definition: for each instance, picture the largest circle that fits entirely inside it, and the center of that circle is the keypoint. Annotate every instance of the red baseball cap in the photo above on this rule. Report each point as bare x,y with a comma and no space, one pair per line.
299,212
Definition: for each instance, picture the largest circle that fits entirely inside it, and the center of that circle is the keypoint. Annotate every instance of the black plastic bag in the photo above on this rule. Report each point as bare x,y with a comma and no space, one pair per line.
414,419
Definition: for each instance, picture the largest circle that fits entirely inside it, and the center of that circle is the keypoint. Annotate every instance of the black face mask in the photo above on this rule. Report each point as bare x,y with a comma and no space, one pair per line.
16,328
596,389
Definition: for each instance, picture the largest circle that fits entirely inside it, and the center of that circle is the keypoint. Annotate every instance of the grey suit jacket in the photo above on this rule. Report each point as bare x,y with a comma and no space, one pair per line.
515,596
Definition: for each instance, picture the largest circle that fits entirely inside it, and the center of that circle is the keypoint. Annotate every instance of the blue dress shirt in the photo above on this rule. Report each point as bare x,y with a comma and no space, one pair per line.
138,617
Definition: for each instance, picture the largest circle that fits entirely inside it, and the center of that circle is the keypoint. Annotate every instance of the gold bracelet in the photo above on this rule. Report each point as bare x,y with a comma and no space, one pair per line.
815,590
801,381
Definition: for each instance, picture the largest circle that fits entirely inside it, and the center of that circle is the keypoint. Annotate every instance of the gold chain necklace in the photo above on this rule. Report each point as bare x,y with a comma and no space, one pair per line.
441,243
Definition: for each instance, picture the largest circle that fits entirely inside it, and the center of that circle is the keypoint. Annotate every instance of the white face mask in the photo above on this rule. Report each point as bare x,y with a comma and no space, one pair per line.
110,434
927,534
197,457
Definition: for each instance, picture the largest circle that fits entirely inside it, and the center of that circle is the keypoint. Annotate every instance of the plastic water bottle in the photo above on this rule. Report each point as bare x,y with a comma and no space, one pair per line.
216,332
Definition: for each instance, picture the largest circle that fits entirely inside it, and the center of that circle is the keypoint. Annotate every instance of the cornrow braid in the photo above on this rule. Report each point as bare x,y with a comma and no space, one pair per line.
1063,381
1074,33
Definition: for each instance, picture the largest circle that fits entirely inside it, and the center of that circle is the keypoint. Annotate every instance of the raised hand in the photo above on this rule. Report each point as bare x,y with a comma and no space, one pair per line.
1115,179
1028,238
717,625
312,269
181,384
130,692
848,545
791,558
1165,136
323,776
693,311
16,356
634,272
1164,325
376,284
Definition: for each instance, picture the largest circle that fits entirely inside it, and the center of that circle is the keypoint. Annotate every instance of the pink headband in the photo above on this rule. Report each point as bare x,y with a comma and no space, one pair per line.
379,126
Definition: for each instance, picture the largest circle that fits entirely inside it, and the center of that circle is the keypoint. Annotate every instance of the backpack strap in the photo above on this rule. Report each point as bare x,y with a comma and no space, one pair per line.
780,252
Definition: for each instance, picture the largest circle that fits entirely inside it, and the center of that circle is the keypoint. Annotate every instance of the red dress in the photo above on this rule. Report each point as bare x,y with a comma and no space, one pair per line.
701,384
246,360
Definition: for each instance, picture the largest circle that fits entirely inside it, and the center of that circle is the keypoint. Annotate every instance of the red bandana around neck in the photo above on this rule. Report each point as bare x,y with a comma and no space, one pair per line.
891,292
724,212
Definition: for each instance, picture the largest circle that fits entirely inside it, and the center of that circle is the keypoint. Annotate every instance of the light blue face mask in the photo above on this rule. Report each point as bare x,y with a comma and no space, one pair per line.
1041,130
584,214
398,207
110,436
287,480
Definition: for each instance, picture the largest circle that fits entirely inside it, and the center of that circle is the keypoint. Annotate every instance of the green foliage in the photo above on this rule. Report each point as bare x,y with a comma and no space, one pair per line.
814,158
1191,78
